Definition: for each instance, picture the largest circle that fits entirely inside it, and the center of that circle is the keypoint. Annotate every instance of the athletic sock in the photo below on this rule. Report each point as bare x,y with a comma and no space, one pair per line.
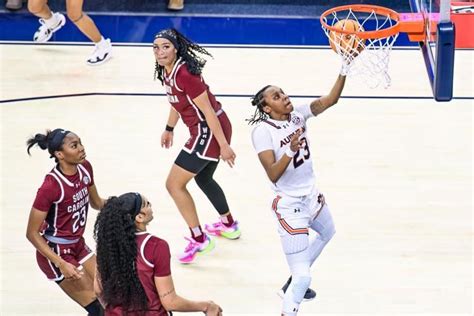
197,234
227,220
52,21
94,308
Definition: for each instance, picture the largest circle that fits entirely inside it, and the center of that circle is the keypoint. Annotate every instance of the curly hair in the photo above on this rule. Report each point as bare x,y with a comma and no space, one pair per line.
114,233
259,102
187,51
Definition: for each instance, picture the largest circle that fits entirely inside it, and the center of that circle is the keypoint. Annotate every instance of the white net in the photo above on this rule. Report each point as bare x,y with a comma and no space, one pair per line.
366,59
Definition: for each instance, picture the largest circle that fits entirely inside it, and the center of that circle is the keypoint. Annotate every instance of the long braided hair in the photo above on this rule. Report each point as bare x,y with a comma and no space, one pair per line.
187,51
258,101
114,233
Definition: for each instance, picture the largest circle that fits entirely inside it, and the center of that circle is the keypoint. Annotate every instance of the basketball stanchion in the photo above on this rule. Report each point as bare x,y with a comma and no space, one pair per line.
363,36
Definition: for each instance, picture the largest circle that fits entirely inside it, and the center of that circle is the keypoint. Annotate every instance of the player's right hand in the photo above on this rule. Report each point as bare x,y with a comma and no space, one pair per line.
213,309
69,271
167,139
296,143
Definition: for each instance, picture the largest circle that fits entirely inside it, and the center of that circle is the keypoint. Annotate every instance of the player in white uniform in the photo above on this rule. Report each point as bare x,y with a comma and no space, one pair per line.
281,142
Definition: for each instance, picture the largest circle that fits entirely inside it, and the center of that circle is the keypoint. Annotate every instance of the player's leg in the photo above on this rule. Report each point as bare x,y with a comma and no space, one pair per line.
226,226
89,264
39,8
50,22
103,49
293,231
324,226
301,280
185,168
176,183
82,290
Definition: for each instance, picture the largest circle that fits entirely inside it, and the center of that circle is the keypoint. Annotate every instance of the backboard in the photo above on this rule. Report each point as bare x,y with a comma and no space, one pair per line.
438,47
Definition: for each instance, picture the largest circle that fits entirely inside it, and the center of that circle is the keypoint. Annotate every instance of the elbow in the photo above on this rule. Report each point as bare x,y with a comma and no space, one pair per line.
333,101
96,205
273,178
172,302
30,235
169,304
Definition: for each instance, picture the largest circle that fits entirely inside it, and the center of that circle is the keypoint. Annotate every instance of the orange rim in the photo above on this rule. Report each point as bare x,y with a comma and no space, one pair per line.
386,32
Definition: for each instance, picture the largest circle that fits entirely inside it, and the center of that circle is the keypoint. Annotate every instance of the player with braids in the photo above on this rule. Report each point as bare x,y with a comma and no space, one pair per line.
281,141
178,66
133,266
258,101
59,214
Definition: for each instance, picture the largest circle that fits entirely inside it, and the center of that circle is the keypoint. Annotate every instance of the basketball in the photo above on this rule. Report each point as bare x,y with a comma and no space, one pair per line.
348,43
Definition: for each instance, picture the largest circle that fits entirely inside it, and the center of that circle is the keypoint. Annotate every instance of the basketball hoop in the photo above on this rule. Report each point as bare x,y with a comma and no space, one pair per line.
365,46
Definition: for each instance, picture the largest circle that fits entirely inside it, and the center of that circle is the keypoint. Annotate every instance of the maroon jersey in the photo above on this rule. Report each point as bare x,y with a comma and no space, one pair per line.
66,200
181,88
153,260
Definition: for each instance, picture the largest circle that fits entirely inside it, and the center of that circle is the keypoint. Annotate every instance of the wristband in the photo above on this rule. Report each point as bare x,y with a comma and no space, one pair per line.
290,153
344,69
169,128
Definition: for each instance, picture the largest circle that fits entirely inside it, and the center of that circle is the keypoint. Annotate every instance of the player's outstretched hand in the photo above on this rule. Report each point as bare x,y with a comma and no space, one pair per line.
167,139
213,309
228,155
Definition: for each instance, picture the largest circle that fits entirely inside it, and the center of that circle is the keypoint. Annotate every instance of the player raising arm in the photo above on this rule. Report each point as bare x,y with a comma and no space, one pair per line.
282,143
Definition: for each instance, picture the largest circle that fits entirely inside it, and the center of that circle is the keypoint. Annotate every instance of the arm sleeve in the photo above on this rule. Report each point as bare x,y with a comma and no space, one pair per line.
89,169
47,194
305,110
261,139
161,258
192,85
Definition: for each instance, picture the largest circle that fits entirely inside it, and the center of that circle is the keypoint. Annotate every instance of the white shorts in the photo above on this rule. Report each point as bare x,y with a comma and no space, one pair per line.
296,214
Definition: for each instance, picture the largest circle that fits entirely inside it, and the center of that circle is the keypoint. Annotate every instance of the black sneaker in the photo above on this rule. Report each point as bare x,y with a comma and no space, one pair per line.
308,296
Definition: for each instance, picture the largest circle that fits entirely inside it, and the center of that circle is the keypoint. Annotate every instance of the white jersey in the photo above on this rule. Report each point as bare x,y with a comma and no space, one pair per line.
299,178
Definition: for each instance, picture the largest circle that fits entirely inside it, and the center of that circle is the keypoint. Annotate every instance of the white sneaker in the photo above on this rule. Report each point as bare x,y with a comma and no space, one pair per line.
45,31
101,54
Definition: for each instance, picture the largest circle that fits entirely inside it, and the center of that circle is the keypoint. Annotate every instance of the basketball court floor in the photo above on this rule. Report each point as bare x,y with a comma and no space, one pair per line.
394,165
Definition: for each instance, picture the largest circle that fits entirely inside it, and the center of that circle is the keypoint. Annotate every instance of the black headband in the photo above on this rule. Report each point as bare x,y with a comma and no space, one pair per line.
170,35
138,204
57,137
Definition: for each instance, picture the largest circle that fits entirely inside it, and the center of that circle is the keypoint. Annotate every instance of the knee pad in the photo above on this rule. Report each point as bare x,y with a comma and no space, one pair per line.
300,285
294,243
327,234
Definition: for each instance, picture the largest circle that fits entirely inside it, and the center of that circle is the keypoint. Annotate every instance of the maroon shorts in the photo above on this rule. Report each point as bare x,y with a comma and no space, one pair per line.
202,141
76,254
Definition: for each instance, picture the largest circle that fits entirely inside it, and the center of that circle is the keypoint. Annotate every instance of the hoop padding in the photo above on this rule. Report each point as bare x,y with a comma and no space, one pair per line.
365,53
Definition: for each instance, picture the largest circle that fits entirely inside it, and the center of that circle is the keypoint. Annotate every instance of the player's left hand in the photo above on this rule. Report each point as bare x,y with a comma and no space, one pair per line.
228,155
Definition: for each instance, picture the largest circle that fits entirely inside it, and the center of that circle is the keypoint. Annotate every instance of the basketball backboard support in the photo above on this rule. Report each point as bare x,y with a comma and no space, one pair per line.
438,46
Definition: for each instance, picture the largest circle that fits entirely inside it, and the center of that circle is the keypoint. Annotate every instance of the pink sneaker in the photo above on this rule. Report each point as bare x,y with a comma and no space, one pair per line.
194,248
219,229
